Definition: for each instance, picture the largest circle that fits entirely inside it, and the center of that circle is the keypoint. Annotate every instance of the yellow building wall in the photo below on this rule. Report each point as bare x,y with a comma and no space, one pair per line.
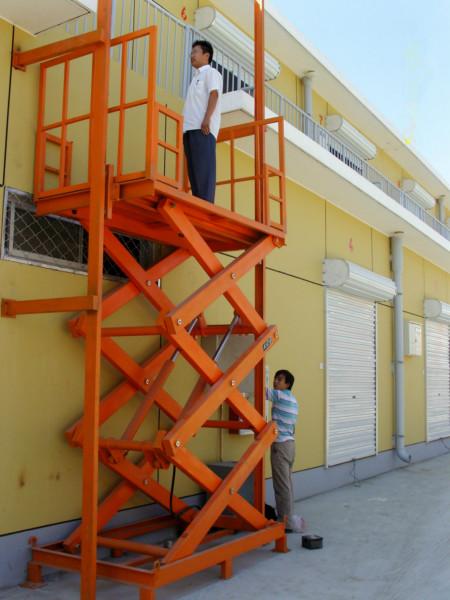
286,84
415,403
45,385
347,238
413,283
305,249
297,306
320,108
436,282
43,366
381,253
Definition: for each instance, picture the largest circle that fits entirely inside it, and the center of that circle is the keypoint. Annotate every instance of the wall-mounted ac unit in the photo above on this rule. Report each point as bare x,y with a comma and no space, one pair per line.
350,136
35,17
417,193
437,310
356,280
219,30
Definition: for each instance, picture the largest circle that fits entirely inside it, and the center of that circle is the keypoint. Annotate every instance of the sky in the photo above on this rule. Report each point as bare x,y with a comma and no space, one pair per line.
393,53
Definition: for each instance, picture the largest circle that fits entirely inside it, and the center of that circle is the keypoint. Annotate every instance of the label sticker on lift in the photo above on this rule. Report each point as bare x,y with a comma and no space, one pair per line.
267,344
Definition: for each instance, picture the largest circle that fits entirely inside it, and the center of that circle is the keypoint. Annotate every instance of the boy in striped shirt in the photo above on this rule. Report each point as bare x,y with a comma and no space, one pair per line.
282,452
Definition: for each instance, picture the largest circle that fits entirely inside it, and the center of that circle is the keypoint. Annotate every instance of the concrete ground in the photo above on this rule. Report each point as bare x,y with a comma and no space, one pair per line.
386,538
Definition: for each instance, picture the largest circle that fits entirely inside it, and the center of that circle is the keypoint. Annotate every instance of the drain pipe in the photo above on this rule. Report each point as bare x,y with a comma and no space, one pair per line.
397,269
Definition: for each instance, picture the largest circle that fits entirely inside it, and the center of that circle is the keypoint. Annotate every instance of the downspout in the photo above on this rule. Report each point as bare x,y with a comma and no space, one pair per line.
397,269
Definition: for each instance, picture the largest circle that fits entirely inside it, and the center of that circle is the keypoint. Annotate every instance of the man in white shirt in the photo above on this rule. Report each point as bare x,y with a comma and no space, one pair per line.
202,122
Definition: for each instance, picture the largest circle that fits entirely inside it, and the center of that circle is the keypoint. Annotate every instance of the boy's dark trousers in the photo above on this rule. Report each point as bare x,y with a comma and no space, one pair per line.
200,150
282,455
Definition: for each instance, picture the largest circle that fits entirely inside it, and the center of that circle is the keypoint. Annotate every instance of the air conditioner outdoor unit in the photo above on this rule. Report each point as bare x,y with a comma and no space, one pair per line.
437,310
36,17
417,193
353,279
221,32
350,136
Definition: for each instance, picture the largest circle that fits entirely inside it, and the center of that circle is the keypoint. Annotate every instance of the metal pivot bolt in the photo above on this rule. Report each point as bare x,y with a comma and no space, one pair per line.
148,283
179,321
233,383
178,444
232,491
145,482
147,381
233,276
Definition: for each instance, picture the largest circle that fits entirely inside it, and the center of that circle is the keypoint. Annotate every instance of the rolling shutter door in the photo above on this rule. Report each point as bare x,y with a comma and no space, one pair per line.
437,356
351,377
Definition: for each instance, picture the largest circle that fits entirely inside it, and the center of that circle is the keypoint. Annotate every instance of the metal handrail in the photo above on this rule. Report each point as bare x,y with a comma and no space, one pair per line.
294,115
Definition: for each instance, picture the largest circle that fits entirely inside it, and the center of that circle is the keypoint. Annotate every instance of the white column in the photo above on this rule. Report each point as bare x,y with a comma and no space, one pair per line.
441,208
308,93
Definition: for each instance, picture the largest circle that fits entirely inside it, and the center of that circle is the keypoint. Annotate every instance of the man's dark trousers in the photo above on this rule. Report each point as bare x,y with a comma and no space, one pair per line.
200,150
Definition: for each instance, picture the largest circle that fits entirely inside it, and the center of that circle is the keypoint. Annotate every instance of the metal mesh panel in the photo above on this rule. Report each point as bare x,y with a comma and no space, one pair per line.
56,241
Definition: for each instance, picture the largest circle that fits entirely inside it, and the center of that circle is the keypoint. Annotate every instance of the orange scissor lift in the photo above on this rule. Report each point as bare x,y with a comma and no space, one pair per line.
154,206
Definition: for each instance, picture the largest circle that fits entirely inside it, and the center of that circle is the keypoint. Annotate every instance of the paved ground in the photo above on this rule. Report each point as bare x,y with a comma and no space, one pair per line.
386,539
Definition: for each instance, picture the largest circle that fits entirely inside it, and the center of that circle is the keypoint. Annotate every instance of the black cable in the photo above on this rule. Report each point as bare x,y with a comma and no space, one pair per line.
8,107
172,487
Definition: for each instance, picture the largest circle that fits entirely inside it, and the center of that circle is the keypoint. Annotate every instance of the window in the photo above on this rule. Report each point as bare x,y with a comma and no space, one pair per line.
57,242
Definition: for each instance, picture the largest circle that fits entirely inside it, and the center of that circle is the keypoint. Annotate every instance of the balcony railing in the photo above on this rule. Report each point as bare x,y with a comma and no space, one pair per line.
304,123
174,73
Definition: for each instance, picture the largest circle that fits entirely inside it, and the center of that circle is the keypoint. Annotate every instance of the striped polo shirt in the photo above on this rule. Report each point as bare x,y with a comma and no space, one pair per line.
284,413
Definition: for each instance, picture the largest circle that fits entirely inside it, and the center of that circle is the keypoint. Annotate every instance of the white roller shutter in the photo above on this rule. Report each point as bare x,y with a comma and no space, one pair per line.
437,357
351,377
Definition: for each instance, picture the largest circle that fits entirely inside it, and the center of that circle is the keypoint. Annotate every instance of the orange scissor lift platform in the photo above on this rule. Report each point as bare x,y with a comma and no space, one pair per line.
152,205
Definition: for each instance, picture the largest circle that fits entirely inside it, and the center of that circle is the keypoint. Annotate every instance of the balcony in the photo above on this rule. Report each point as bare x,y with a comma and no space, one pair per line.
294,115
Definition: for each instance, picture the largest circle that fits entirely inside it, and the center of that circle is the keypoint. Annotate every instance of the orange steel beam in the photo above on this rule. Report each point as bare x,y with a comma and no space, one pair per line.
153,205
225,386
164,574
261,214
209,481
148,330
134,547
135,272
220,284
97,176
149,400
140,528
123,393
116,444
210,263
86,42
12,308
220,498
